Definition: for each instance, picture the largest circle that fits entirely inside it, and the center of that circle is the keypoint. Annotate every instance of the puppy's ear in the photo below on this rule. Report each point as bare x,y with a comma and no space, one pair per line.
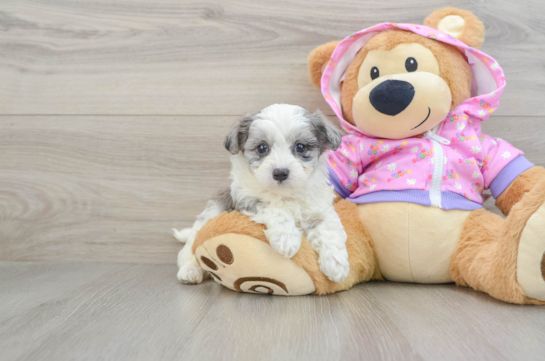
458,23
235,140
328,135
317,61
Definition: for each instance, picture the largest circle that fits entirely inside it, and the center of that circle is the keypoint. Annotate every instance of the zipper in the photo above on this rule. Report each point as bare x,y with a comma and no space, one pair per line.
438,165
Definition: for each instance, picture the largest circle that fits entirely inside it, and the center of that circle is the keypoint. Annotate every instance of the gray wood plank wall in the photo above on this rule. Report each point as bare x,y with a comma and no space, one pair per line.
112,113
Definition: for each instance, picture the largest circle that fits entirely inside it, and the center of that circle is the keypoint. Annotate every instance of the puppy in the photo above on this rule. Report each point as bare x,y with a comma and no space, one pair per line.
280,179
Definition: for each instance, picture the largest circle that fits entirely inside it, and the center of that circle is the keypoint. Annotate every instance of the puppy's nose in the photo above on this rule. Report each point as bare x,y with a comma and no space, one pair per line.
391,97
281,174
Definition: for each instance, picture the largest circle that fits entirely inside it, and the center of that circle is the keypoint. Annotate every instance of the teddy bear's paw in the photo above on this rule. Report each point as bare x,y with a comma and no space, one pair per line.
190,273
287,244
530,261
334,263
246,264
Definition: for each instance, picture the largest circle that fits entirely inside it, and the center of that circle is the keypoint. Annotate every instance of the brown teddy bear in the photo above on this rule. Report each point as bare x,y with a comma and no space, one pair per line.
411,170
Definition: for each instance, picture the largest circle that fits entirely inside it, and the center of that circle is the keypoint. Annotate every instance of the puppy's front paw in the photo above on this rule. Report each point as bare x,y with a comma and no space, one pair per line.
190,273
287,244
334,263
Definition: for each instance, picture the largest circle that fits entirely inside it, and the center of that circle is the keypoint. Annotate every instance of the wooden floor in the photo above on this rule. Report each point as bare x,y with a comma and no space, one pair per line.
106,311
112,116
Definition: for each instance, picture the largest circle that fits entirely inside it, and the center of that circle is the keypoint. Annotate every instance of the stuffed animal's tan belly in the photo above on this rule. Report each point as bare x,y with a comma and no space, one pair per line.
413,243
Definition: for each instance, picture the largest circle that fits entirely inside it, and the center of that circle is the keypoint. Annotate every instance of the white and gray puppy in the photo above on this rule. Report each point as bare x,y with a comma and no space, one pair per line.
280,179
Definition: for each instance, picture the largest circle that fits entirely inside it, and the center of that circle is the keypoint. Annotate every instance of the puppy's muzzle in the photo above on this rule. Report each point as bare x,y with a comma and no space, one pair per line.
391,97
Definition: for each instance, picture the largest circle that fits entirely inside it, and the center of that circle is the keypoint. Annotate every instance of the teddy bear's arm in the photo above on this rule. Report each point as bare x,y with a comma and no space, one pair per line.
524,183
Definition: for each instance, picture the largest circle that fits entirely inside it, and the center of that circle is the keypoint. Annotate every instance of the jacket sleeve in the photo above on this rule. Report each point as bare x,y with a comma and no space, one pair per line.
345,166
501,165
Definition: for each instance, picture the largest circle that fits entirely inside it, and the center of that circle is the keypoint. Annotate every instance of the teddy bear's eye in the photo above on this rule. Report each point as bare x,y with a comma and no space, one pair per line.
411,64
374,73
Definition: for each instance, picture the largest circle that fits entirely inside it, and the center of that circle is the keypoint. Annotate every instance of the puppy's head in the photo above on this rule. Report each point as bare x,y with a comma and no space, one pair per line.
282,144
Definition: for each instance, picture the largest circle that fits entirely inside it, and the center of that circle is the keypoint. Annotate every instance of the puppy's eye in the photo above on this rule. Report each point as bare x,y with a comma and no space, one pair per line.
411,64
262,148
300,148
374,73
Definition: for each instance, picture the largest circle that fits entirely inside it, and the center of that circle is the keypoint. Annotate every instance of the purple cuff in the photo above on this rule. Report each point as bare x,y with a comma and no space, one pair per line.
339,188
508,174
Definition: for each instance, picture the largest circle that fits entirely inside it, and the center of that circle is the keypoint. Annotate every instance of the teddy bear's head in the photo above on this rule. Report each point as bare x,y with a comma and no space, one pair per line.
400,84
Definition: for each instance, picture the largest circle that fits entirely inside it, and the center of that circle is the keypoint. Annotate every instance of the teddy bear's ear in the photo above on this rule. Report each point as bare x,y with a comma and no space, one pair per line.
460,24
318,59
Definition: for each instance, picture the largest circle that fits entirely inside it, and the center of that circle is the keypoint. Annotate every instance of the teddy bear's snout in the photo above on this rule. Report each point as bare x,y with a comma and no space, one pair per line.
391,97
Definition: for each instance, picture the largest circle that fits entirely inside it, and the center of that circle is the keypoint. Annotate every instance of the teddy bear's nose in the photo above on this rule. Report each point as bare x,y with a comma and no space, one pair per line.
391,97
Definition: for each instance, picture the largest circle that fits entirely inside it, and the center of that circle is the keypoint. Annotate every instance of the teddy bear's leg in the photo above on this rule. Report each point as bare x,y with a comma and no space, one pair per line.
246,264
504,257
236,253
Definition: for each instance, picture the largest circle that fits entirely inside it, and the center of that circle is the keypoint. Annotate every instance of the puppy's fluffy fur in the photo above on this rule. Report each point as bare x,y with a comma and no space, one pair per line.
279,179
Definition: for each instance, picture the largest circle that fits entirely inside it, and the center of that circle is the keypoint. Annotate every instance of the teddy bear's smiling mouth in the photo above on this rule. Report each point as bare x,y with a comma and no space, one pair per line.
429,112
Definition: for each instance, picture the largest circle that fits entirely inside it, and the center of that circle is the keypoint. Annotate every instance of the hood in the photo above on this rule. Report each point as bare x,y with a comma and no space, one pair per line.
488,78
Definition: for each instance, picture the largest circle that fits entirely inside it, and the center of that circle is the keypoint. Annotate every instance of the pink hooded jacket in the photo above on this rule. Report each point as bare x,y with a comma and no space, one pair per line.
449,167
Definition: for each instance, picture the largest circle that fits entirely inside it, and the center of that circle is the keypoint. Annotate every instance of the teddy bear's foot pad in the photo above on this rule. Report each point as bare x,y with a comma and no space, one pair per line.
246,264
530,256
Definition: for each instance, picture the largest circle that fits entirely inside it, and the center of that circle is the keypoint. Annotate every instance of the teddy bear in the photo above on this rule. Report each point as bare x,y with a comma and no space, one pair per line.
410,173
